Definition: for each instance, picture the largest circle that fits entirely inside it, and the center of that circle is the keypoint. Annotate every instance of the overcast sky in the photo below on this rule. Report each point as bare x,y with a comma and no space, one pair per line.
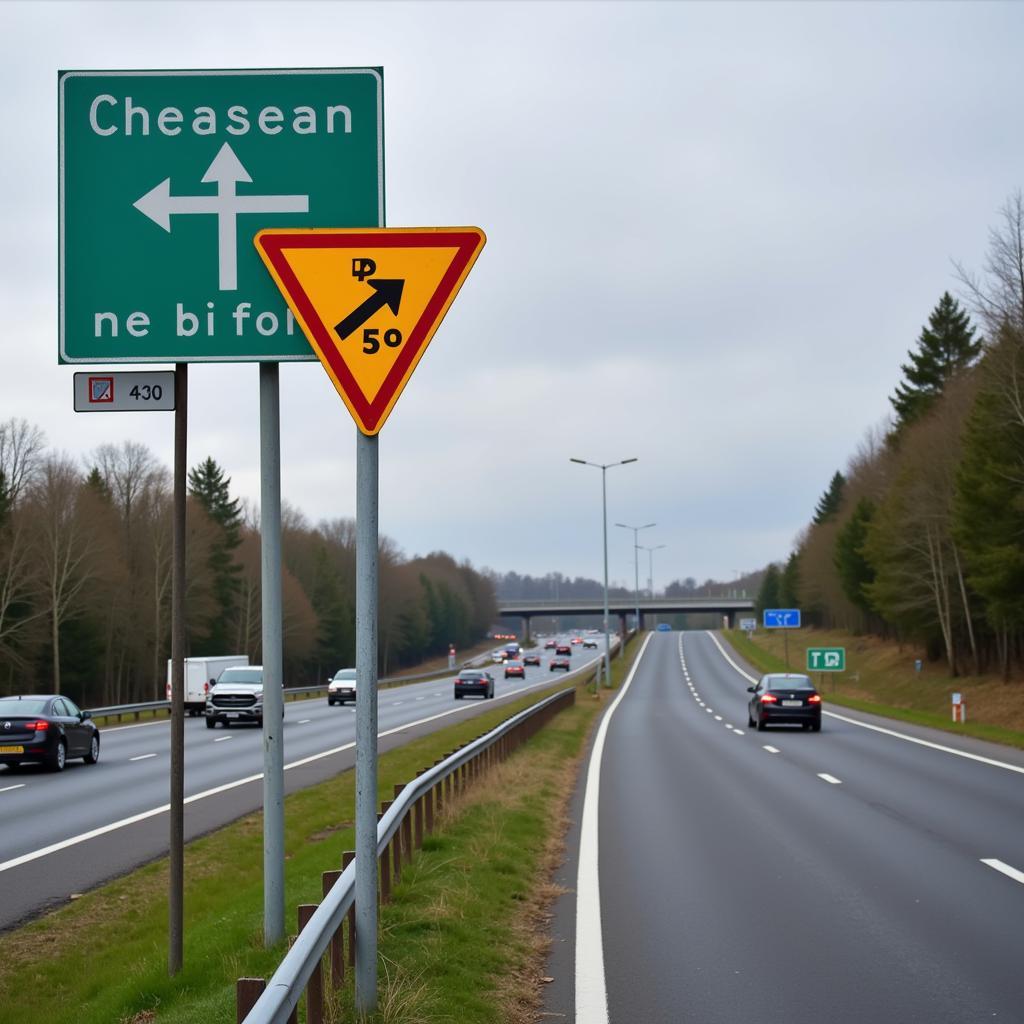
713,233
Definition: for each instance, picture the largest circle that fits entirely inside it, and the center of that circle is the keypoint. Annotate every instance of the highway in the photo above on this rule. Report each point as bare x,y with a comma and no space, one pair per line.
65,833
872,872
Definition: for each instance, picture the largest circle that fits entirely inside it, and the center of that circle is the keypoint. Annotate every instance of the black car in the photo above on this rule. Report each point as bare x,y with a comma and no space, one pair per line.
531,659
590,644
784,698
46,728
562,663
563,650
472,681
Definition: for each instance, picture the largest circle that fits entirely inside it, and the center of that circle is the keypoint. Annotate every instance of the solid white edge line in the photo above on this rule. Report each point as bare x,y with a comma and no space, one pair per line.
890,732
142,757
7,789
591,994
1017,876
63,844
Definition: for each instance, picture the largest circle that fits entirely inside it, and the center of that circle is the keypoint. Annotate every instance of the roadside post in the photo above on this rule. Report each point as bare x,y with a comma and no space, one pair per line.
784,619
959,708
369,301
163,178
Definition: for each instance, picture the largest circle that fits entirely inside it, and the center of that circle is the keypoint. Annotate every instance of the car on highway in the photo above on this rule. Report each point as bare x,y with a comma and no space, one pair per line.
237,697
342,686
784,698
531,659
512,651
576,640
515,668
664,627
47,728
497,657
550,645
563,649
474,682
590,644
559,663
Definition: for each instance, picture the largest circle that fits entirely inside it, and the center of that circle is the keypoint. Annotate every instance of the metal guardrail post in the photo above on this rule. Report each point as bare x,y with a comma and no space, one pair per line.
346,858
315,986
337,939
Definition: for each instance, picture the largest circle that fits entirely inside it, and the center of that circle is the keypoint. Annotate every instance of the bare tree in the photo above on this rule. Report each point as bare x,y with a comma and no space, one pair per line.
21,451
998,299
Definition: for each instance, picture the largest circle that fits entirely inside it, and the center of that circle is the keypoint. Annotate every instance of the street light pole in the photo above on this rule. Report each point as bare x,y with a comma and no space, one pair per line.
636,565
650,564
604,467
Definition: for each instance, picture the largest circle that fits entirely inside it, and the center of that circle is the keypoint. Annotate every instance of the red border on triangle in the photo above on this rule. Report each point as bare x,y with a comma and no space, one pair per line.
370,413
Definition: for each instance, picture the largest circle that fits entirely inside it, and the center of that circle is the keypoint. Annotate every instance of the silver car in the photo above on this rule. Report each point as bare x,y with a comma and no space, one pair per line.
342,686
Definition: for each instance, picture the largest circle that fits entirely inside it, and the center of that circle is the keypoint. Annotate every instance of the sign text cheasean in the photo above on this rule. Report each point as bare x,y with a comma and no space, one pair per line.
369,301
164,178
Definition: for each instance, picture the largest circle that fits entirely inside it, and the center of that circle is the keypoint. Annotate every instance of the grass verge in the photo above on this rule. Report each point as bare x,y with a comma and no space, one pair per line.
458,943
881,679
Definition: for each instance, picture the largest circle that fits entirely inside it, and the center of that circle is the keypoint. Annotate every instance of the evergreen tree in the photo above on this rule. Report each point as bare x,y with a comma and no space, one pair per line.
335,638
855,571
96,482
770,593
210,487
828,504
789,582
946,346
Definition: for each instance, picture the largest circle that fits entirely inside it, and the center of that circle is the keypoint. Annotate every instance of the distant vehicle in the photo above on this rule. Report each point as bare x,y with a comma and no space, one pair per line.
342,687
589,643
563,649
474,682
200,675
664,627
237,697
576,640
515,667
550,645
512,651
531,659
781,697
48,729
562,663
497,657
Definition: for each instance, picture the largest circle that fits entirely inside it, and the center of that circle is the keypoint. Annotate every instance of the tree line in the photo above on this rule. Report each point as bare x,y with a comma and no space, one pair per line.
85,579
922,538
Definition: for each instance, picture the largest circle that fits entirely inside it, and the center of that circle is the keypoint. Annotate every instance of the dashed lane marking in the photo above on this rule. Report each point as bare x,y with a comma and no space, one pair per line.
998,865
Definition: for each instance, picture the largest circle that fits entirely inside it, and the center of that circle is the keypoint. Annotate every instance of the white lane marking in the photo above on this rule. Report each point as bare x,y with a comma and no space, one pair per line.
825,777
63,844
221,739
710,711
421,698
7,789
890,732
1017,876
771,750
142,757
718,718
591,993
739,732
395,703
304,721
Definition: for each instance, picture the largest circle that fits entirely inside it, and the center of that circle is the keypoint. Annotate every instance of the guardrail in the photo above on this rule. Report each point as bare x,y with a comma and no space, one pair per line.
292,692
400,831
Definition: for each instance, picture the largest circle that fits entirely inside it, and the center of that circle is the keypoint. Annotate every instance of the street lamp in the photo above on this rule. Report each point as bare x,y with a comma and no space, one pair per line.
650,570
604,467
636,565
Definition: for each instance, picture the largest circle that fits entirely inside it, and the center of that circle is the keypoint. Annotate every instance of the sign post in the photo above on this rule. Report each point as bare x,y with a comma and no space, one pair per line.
164,178
784,619
369,301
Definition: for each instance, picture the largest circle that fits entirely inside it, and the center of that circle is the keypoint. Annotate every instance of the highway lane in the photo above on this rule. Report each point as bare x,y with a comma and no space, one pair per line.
66,833
791,876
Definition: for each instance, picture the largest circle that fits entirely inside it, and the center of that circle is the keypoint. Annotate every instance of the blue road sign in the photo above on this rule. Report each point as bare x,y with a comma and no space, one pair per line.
782,618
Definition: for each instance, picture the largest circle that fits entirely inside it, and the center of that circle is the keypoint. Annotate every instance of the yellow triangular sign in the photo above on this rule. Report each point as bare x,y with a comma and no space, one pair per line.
369,300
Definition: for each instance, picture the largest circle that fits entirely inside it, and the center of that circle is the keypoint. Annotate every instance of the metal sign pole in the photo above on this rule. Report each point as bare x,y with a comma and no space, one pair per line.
366,720
273,679
176,882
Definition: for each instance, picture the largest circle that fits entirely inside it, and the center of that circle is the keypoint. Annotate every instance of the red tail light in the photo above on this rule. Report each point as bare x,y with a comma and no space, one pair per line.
206,687
39,726
769,698
815,698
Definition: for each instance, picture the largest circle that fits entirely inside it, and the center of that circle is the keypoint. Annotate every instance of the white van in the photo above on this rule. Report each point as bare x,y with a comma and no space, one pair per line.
200,675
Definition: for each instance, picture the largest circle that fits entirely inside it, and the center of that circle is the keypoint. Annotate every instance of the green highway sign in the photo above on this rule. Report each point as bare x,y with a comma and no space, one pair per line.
166,176
826,659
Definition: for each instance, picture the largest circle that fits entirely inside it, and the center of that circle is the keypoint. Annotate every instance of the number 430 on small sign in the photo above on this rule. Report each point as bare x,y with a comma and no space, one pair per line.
144,391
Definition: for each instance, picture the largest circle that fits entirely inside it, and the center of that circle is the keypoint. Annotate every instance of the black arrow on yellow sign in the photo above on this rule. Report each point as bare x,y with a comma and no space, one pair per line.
387,292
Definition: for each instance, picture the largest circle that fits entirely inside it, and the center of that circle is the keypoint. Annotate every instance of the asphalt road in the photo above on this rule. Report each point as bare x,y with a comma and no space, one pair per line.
62,834
860,874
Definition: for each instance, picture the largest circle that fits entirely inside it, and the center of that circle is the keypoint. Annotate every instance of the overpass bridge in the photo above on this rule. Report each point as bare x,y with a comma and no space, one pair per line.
728,607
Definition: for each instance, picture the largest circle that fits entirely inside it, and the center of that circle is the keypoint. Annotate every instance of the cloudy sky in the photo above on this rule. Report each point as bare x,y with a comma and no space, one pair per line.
714,230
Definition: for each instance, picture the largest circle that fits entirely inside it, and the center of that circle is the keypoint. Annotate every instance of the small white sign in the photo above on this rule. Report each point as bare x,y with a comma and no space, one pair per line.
144,391
956,699
748,625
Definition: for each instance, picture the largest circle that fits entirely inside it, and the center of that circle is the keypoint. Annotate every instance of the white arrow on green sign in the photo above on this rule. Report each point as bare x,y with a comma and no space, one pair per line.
165,178
826,659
